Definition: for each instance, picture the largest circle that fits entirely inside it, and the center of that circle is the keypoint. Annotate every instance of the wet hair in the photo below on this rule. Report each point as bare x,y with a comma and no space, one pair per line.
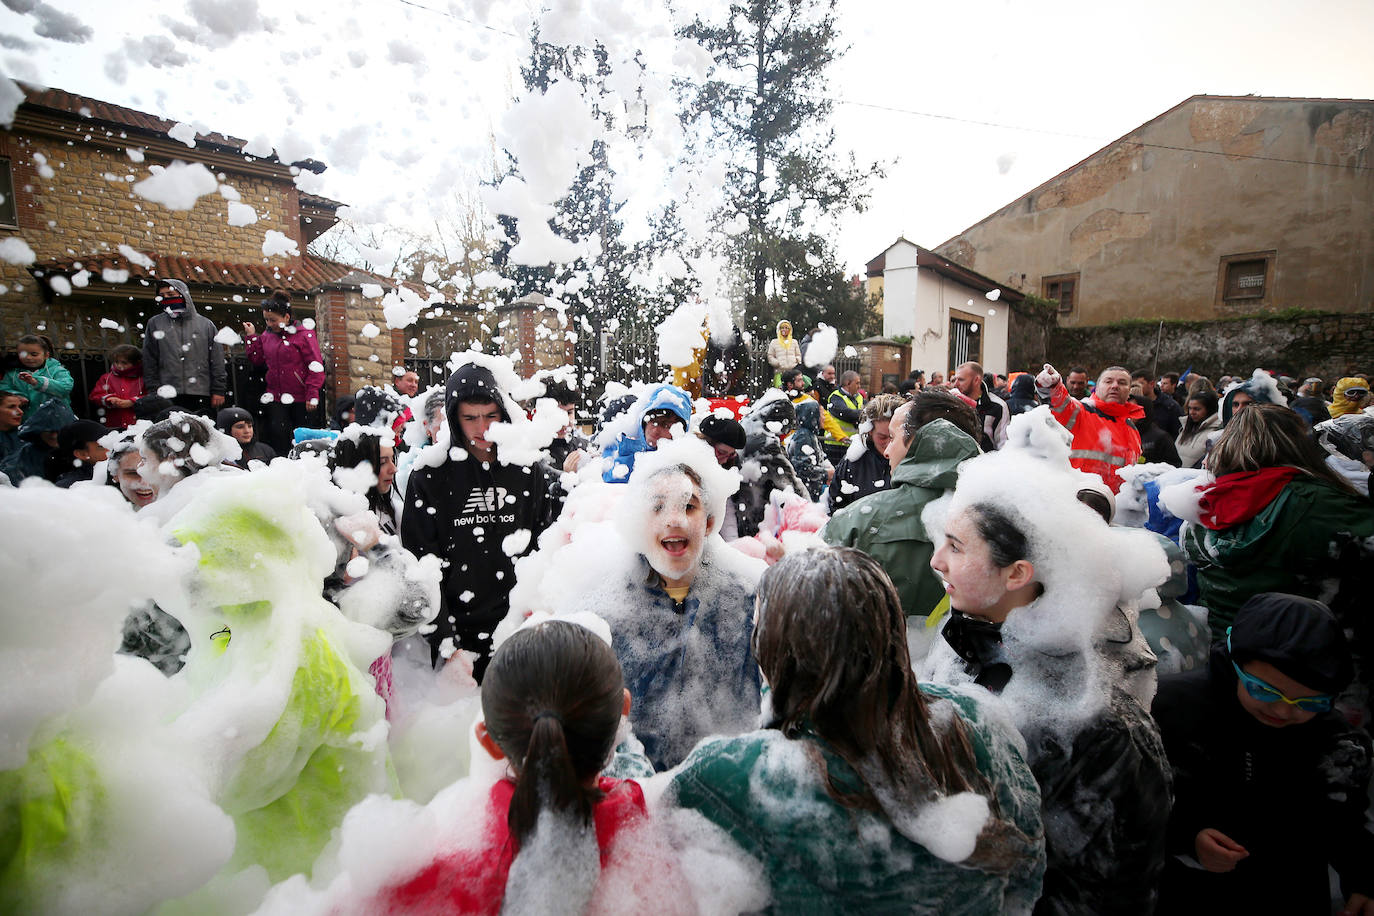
434,405
279,303
831,641
174,439
350,452
1006,541
6,394
1270,436
1095,501
560,392
126,352
41,340
552,699
933,404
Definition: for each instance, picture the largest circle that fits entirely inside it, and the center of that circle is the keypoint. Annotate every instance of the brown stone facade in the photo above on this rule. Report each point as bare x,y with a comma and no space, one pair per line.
1151,222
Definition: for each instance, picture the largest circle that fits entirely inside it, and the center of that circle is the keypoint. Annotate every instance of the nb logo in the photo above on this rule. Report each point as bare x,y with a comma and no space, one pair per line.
488,500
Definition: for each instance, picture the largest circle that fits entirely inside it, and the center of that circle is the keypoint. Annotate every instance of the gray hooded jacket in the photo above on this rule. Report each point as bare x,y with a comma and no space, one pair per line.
181,351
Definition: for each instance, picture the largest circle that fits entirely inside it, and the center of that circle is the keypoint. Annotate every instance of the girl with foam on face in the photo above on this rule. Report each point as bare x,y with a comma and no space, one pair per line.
865,791
1032,577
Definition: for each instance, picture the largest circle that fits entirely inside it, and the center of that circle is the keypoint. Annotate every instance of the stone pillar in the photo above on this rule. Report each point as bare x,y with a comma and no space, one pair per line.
538,331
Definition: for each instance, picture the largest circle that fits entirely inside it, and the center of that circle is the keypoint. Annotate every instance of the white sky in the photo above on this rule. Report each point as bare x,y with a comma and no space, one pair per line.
411,114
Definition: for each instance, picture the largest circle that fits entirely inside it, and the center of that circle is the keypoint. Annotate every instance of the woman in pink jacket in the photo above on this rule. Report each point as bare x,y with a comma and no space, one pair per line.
295,369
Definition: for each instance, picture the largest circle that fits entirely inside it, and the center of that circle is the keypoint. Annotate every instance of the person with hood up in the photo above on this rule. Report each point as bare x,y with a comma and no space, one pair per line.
764,465
476,513
1270,782
1021,396
179,351
655,415
295,368
238,424
783,351
933,434
1103,438
1349,445
805,452
868,471
1351,396
39,435
838,794
1260,388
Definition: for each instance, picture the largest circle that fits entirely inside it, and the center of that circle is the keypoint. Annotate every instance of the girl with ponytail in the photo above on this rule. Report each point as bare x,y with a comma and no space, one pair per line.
552,701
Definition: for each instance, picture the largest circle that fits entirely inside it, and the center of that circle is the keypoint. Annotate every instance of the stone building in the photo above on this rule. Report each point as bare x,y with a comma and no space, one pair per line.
67,168
1221,206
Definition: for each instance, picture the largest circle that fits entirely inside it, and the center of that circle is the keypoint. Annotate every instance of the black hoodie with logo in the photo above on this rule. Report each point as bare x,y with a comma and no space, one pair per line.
463,510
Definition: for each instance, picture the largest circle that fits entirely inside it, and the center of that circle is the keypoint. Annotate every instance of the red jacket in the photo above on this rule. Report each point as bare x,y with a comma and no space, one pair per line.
293,361
1103,440
474,880
128,385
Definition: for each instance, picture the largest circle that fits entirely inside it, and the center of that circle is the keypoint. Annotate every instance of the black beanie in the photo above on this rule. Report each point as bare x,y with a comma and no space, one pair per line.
723,429
1296,635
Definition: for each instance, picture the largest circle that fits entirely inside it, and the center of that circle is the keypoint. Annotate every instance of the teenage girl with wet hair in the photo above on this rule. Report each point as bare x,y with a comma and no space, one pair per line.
866,791
552,700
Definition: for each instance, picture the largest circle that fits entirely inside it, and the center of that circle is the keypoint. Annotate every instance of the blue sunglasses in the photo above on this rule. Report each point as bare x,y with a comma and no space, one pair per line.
1267,693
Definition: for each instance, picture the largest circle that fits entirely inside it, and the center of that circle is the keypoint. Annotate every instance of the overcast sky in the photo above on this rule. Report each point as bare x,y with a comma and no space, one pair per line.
970,104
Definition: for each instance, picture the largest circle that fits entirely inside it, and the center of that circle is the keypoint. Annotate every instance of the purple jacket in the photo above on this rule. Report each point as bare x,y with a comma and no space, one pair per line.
293,361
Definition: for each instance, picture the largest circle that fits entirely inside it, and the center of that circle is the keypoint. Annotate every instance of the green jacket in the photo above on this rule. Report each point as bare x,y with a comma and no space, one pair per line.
766,791
54,383
887,526
1310,535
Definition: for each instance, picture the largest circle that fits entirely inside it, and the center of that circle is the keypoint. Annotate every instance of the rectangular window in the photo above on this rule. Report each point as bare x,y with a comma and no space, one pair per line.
9,210
1064,288
1245,279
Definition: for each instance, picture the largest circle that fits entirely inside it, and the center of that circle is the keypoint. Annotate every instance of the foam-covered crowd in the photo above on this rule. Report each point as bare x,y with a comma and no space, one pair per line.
1059,642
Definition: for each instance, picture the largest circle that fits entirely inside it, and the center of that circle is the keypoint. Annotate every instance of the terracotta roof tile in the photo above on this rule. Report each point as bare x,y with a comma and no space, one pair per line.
297,275
119,116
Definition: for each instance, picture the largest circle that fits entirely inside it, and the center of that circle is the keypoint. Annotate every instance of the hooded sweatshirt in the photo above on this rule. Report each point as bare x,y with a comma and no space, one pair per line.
804,448
1294,796
50,416
462,510
618,458
180,350
887,524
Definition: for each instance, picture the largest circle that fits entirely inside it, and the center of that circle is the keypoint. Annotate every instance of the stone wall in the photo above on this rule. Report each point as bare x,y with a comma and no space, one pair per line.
1327,346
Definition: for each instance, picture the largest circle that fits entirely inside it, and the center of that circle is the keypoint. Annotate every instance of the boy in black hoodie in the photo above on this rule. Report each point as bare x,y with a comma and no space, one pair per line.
1270,783
463,511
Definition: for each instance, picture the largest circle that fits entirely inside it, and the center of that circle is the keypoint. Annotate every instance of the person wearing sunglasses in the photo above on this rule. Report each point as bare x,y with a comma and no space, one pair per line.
1270,781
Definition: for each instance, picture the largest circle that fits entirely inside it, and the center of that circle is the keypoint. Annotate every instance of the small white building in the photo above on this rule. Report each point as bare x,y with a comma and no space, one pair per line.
942,307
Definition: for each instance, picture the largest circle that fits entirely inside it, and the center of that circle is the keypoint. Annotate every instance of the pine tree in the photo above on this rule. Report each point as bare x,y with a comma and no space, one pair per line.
764,104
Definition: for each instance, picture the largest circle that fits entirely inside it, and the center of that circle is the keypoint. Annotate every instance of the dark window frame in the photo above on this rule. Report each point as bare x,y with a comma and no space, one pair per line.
1229,267
1052,287
9,210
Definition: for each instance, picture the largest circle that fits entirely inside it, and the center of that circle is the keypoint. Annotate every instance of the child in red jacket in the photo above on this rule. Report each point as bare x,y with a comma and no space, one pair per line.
552,700
115,393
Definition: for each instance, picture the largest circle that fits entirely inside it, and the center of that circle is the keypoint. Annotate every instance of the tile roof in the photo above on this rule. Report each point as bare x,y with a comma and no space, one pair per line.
296,275
119,116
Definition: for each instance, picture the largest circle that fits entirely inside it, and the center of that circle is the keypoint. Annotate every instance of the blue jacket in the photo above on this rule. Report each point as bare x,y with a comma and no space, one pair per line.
618,458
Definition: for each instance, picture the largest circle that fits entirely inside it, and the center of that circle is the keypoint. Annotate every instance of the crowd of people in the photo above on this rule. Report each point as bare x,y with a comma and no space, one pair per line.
1051,642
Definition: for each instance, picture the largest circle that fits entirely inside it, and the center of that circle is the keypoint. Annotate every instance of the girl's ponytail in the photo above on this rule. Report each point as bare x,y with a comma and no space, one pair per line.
552,700
547,778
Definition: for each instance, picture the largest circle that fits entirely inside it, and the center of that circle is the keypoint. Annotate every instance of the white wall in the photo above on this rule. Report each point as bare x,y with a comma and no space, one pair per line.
917,303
